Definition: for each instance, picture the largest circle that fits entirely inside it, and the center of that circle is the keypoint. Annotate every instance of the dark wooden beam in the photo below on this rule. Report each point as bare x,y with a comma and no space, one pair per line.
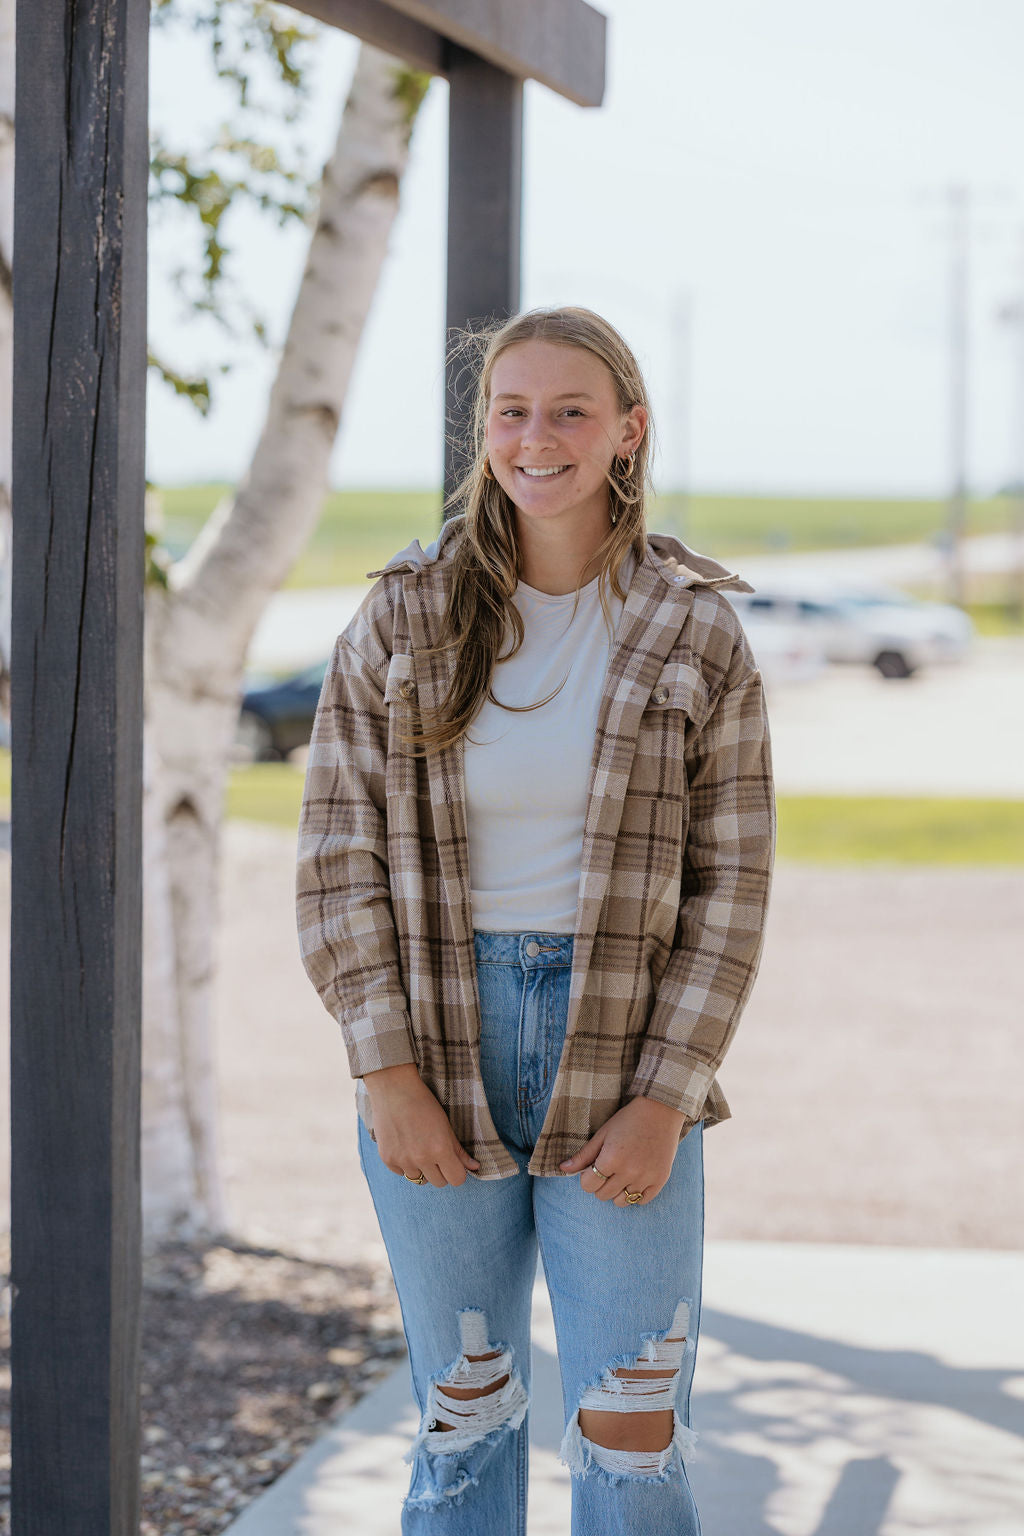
379,23
485,173
561,43
78,483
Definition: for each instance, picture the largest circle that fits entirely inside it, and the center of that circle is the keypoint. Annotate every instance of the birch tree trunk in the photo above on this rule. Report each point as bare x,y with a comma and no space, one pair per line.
198,630
7,15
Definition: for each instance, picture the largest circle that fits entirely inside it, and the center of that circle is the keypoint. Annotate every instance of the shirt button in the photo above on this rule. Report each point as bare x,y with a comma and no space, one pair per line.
407,689
660,695
533,949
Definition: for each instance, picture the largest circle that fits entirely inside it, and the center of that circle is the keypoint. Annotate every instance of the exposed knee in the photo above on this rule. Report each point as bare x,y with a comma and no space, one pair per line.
479,1393
467,1394
628,1431
627,1424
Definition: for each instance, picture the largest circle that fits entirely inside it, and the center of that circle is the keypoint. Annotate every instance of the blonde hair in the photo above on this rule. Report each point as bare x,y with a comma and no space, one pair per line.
486,563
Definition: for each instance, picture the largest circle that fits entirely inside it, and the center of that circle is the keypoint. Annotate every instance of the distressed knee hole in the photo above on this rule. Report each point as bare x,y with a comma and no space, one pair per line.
479,1394
626,1423
467,1394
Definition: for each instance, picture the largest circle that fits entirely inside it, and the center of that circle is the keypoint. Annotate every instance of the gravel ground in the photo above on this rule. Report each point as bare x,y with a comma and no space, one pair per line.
874,1081
877,1097
246,1352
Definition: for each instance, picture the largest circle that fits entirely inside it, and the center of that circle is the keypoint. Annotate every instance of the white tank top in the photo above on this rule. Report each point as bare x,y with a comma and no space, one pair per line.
527,775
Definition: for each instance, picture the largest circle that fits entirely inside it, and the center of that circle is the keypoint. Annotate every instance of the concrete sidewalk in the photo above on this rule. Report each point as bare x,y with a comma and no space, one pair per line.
840,1391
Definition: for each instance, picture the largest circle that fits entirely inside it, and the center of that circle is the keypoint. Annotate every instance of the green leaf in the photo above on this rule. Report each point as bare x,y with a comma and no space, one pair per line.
262,52
194,387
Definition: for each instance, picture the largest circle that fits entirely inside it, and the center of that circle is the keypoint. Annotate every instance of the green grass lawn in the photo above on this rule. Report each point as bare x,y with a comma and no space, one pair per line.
817,829
994,600
269,792
876,829
359,530
996,618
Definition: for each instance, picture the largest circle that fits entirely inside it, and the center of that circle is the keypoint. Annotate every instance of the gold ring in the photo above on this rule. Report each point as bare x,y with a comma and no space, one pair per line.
420,1179
595,1169
633,1196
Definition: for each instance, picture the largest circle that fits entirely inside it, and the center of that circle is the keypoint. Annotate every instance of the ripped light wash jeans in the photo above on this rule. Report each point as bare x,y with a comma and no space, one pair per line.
624,1287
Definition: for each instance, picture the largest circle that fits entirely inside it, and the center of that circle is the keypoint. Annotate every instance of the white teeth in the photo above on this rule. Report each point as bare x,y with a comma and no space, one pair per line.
557,470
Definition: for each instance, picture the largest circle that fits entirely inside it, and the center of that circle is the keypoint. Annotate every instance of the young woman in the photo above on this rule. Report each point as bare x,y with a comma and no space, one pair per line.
534,863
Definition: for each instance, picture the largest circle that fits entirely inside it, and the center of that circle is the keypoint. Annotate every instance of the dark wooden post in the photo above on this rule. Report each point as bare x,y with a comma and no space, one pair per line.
78,483
485,162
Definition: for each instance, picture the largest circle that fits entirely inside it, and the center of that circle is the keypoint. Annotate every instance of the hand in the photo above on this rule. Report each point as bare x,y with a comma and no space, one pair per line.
413,1133
635,1148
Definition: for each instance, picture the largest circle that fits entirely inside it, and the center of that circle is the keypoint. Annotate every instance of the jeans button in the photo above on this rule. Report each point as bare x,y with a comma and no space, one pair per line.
533,949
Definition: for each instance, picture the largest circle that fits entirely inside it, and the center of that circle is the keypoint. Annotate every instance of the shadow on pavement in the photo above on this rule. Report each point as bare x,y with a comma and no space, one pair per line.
908,1376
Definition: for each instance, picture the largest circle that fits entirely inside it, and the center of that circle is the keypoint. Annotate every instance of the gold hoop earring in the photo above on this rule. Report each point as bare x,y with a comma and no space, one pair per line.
630,460
488,472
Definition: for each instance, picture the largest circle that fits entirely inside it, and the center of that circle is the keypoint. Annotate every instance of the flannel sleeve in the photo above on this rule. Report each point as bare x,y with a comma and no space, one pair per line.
726,877
347,935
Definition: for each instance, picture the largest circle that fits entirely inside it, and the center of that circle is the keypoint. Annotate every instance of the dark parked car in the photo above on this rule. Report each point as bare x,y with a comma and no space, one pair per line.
277,717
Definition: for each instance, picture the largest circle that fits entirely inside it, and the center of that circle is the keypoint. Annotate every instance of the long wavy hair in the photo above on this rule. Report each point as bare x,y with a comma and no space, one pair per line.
480,615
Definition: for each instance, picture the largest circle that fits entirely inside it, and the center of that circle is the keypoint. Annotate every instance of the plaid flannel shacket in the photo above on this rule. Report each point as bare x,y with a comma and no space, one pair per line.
676,865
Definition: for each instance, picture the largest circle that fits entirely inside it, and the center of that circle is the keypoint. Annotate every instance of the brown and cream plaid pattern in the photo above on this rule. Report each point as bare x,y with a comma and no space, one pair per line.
676,866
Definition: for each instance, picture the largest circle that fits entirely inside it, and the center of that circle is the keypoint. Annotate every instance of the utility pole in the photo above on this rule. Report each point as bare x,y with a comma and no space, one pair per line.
682,392
1012,315
959,196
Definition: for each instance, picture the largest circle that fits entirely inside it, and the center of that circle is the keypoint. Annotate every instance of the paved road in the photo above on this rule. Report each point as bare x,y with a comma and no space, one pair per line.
953,730
299,627
910,564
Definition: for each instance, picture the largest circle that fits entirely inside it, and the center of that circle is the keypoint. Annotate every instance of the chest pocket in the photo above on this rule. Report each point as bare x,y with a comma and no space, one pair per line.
680,687
678,702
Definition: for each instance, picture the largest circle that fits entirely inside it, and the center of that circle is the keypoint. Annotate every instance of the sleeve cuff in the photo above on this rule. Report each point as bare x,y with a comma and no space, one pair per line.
375,1041
674,1078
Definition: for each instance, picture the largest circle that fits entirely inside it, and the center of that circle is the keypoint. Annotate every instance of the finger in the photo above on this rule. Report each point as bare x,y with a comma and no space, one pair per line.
435,1175
584,1156
591,1182
614,1187
621,1200
467,1161
453,1168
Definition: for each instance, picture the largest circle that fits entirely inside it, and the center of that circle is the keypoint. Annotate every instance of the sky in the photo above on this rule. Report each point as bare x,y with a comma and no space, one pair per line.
761,206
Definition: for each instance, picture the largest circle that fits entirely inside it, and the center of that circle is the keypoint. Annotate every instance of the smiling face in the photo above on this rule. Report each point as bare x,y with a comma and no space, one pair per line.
554,426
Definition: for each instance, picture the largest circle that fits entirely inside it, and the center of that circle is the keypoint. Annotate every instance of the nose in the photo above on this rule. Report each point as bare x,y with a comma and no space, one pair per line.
536,431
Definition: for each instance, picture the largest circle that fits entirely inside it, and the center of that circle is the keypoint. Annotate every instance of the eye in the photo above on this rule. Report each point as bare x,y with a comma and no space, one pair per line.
574,410
511,410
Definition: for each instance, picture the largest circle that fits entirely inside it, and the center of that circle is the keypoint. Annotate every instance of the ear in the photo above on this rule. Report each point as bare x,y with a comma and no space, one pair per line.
634,426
